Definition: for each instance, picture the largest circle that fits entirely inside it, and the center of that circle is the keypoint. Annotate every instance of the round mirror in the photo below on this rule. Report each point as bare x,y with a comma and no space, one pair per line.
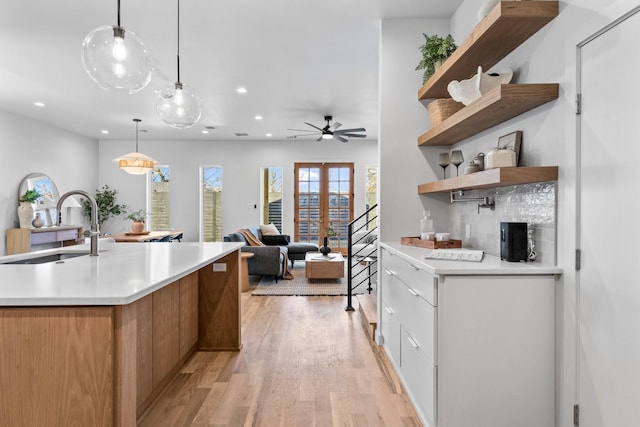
48,194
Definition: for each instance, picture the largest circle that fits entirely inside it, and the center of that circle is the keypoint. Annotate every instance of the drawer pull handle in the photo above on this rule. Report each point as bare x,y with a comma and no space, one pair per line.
389,310
389,272
414,267
413,343
412,292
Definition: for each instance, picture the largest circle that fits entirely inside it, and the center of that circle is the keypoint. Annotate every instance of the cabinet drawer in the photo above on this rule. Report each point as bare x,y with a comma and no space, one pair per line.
46,237
419,319
390,330
421,281
67,235
420,377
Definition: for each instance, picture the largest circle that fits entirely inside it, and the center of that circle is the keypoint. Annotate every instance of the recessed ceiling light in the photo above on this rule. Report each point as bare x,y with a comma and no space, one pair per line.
205,131
38,104
258,117
269,134
241,90
106,132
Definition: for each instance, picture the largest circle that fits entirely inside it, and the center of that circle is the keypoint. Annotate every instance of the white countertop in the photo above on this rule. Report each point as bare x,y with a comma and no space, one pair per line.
490,265
121,274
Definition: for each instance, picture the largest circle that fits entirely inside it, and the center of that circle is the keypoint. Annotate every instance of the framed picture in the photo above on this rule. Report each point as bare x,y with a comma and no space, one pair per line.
512,140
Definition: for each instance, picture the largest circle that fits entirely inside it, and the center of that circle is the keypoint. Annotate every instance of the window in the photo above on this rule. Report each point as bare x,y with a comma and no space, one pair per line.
211,203
371,196
159,198
272,196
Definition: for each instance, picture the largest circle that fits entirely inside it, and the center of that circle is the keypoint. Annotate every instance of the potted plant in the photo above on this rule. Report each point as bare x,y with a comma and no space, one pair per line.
434,51
107,206
25,210
138,218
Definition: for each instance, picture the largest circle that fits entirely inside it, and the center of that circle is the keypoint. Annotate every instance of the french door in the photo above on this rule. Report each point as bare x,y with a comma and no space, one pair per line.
323,203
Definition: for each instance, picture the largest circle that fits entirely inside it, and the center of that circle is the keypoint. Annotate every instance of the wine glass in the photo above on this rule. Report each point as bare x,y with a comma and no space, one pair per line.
457,159
443,161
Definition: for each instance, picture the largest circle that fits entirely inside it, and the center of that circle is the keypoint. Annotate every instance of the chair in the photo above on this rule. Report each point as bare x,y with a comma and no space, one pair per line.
164,239
178,238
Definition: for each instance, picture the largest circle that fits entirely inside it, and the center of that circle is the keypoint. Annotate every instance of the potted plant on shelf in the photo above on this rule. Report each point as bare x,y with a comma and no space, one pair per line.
107,206
25,209
138,217
434,52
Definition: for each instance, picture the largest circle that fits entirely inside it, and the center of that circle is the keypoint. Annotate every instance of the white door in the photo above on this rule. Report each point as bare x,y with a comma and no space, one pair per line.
609,227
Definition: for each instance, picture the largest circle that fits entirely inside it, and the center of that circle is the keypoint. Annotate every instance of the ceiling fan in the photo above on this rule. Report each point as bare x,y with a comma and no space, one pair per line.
330,131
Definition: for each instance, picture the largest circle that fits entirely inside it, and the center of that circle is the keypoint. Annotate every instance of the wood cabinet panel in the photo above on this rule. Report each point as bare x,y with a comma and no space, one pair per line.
57,366
219,304
20,240
144,346
188,313
166,331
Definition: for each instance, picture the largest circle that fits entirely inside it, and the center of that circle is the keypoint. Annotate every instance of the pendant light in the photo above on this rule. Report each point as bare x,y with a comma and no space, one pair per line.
136,163
178,105
117,60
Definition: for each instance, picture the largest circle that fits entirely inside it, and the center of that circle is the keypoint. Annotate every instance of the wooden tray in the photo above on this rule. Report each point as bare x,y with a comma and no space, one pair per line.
431,244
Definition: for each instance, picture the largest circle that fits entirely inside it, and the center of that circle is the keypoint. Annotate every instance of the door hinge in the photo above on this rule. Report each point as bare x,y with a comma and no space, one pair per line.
578,103
578,259
576,415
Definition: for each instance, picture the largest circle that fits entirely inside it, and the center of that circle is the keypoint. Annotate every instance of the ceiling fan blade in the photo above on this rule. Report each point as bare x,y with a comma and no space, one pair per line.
336,125
303,130
353,135
313,126
340,138
319,139
352,130
303,134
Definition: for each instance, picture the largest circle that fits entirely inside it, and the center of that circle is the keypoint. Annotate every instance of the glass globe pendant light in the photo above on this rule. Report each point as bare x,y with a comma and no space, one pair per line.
136,163
178,105
117,60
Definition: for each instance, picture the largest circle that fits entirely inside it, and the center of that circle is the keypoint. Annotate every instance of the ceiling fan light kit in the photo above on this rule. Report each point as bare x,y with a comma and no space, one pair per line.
116,59
178,105
135,163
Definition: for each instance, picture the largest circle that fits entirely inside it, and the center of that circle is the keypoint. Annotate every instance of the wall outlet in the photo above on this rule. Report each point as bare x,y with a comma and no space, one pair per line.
467,231
219,266
252,206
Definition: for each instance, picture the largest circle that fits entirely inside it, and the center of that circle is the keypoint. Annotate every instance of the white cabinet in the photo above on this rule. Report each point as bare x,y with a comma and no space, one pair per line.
472,347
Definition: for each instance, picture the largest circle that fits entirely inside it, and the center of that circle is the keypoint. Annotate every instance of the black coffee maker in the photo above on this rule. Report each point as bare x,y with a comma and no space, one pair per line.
513,241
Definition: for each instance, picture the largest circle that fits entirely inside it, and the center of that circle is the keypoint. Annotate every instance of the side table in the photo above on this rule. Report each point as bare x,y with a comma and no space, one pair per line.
244,270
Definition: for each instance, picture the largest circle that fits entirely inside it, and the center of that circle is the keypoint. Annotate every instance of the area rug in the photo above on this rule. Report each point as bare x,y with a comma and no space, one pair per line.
300,285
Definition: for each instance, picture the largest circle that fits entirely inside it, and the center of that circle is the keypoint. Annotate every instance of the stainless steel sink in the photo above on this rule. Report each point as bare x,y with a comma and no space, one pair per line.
42,259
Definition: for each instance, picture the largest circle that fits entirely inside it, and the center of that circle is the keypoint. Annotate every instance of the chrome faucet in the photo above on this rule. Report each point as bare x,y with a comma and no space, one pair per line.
95,232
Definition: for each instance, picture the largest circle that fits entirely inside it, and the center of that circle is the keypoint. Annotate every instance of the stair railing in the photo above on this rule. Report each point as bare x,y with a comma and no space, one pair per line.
365,254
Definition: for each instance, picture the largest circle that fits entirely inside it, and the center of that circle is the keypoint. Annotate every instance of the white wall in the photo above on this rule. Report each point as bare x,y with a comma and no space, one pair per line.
549,136
28,146
241,161
403,165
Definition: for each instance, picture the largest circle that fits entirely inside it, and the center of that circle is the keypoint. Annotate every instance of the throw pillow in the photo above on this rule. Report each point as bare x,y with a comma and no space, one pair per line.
279,240
269,230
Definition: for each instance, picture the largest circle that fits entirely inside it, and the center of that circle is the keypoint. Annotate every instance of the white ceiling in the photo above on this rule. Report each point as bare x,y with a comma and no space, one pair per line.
299,60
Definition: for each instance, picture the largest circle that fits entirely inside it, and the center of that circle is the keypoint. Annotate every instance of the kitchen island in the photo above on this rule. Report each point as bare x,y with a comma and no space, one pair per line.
92,341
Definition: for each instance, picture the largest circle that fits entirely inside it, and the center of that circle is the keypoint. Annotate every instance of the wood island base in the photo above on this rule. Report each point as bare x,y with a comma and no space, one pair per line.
105,365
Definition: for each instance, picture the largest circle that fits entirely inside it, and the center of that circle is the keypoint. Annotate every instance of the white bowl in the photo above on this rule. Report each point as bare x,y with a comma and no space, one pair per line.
442,237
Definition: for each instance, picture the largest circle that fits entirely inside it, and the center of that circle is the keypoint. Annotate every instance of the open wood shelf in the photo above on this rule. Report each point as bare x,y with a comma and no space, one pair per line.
507,26
499,177
496,106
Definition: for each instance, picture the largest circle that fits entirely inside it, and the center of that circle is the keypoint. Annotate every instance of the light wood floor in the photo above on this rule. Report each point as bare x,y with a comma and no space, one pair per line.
305,362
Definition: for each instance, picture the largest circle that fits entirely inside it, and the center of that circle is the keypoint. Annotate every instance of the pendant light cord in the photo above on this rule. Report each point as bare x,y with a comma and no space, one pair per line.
178,41
118,13
137,121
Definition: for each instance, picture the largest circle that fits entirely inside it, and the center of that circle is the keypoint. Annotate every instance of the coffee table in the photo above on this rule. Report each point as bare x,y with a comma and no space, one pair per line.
317,266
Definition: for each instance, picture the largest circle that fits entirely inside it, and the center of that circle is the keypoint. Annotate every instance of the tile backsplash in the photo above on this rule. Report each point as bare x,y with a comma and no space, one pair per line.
534,204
